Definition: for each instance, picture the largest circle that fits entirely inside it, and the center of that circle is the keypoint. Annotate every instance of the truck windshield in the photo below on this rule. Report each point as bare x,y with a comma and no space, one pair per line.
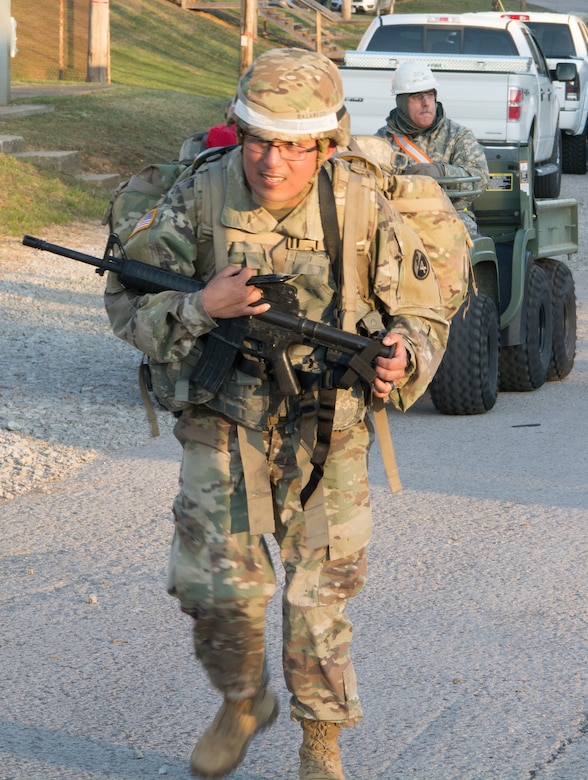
555,39
420,39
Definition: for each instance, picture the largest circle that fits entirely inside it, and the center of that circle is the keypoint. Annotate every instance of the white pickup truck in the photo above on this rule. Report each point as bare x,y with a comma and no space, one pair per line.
564,38
492,74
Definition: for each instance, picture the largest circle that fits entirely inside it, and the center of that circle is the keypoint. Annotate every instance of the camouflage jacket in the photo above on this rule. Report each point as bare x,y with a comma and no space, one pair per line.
167,326
450,144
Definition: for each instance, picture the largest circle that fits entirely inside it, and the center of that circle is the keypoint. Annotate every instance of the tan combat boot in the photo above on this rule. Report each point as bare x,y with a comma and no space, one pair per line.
319,754
224,744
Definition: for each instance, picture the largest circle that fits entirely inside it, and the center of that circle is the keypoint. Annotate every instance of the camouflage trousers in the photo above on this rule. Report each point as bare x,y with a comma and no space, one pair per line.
223,575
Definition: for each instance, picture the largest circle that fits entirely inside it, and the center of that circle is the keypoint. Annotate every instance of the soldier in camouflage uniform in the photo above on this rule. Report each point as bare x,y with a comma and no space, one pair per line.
435,145
291,117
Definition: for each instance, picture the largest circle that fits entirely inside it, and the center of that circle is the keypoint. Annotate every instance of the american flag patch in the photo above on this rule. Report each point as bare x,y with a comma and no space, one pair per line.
145,222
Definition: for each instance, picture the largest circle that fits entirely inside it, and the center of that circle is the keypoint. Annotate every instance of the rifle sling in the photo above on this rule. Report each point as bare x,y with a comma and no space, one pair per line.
327,397
330,225
324,429
315,515
335,248
144,387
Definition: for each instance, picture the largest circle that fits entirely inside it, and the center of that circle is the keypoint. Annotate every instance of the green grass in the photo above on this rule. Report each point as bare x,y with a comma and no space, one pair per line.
121,128
33,199
172,72
156,44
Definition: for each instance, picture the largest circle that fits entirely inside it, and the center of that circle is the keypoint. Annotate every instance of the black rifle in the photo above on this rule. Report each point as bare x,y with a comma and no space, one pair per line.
268,335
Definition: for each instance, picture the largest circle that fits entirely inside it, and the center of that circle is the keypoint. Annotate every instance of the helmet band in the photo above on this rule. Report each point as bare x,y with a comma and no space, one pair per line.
294,126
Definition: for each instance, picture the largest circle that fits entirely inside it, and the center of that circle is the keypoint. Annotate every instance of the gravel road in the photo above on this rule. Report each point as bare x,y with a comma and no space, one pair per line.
68,391
470,637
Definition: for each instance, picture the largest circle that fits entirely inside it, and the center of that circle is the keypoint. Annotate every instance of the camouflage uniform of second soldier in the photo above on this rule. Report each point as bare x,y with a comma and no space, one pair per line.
219,570
453,148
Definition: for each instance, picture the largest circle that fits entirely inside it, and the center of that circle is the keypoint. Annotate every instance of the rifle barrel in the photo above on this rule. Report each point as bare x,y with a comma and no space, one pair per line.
151,279
72,254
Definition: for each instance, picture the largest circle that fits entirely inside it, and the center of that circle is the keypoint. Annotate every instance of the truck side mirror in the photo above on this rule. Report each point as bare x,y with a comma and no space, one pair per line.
565,71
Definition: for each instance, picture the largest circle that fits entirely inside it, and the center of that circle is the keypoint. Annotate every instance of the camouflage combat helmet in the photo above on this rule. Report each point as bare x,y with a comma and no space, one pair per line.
292,95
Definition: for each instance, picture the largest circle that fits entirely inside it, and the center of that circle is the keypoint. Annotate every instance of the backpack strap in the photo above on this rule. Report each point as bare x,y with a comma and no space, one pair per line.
356,242
382,426
355,265
355,188
258,490
212,207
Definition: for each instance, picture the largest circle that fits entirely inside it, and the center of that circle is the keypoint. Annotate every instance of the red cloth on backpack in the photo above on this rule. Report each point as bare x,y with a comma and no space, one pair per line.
221,135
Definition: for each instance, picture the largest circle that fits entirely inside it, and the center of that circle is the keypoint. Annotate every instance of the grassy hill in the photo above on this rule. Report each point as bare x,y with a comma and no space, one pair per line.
172,73
164,87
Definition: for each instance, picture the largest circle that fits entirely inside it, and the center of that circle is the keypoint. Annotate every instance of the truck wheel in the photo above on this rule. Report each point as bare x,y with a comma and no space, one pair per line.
549,186
574,153
466,382
563,295
525,366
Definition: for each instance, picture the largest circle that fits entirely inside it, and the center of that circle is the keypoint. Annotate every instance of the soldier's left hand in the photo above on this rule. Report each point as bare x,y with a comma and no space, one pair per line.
426,169
390,370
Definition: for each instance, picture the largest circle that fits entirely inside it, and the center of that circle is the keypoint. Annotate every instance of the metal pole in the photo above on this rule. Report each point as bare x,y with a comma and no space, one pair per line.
5,36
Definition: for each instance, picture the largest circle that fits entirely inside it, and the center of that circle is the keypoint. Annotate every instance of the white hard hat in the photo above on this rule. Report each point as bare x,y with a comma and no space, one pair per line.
412,77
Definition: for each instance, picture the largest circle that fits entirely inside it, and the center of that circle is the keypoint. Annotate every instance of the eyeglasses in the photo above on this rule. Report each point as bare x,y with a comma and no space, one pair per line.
288,150
421,97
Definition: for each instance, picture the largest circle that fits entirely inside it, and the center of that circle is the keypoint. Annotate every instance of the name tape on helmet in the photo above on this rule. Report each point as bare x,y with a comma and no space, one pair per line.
293,126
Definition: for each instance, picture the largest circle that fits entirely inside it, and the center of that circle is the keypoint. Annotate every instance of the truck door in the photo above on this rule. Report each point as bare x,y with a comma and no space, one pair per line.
548,104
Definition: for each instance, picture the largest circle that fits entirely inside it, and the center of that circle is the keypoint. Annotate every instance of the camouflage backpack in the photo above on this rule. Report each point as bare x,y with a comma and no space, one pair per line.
138,195
427,209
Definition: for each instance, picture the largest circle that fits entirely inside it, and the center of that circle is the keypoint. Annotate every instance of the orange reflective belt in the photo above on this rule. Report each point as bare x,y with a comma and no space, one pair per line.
412,150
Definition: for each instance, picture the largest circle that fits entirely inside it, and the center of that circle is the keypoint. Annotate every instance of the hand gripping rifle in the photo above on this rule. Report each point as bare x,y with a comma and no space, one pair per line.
268,335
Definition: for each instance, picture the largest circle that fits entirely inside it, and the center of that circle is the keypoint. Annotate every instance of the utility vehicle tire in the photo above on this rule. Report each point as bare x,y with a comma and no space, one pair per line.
525,366
466,382
574,155
563,296
549,186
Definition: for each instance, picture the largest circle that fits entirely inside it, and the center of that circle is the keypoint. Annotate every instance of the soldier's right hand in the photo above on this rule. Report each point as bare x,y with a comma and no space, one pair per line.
228,295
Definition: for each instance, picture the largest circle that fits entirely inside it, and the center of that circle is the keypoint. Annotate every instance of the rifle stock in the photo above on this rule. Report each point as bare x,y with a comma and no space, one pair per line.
276,330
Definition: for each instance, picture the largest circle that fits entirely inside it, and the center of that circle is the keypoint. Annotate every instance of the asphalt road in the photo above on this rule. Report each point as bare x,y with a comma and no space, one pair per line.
470,637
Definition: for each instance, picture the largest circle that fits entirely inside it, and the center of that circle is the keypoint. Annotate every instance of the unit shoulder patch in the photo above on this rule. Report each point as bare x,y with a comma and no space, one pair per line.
420,265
